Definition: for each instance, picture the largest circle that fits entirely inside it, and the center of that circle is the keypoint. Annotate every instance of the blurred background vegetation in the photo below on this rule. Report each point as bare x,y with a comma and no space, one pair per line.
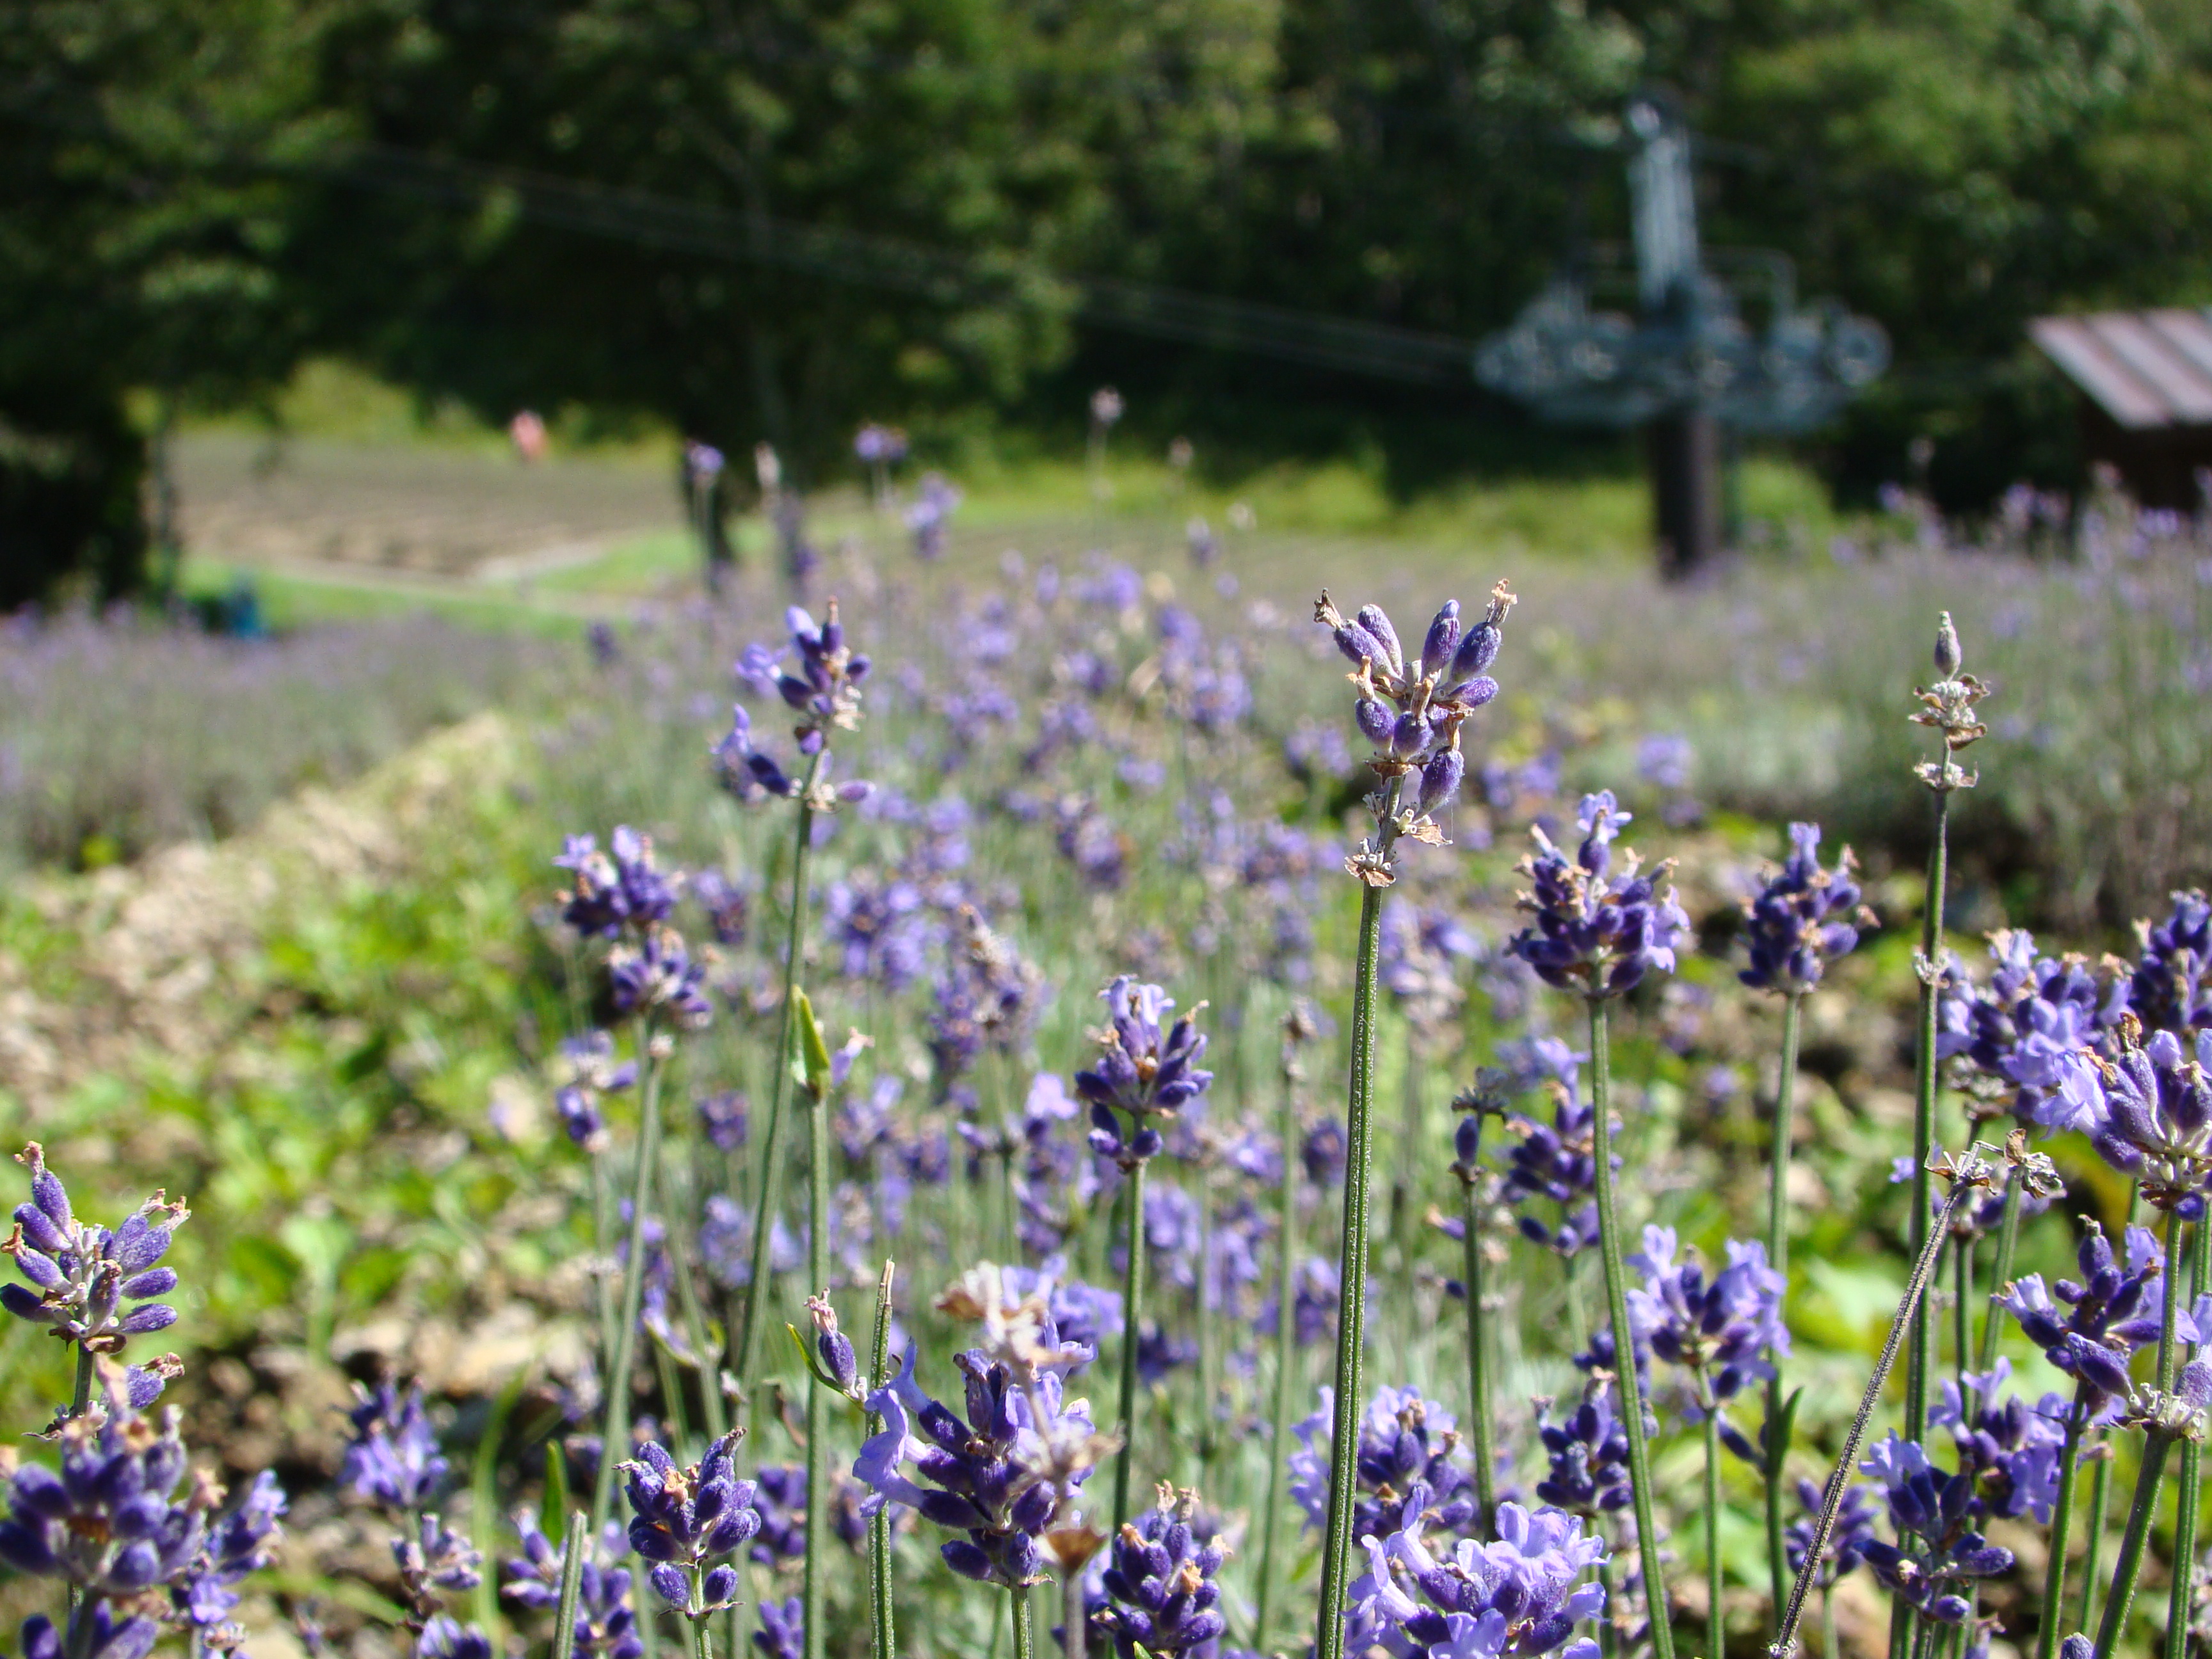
766,219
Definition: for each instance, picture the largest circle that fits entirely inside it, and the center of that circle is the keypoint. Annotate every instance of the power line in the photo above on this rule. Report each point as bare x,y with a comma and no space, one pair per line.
1310,338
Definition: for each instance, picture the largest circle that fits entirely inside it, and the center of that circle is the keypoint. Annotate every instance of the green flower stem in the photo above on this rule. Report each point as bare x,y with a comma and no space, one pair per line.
1133,1309
2061,1527
815,1585
575,1544
1287,1358
1920,1359
701,1647
615,1436
2008,1241
1777,1257
81,1394
1482,1431
1351,1316
757,1293
1824,1525
1962,1307
603,1228
1624,1340
1209,1329
2100,1488
2177,1607
1024,1638
1608,1630
883,1642
2157,1443
1715,1619
2118,1605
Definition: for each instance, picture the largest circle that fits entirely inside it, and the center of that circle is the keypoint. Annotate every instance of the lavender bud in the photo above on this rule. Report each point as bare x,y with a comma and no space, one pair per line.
1377,621
720,1586
674,1588
1467,1141
1440,779
1443,639
1360,646
1950,658
1477,651
1374,719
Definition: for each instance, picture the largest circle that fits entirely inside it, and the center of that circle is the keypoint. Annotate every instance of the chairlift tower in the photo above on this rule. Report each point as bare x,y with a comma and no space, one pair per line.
1686,367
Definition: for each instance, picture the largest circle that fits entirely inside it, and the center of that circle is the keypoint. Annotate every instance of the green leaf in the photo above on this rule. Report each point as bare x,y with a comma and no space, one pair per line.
810,1059
1781,1434
553,1508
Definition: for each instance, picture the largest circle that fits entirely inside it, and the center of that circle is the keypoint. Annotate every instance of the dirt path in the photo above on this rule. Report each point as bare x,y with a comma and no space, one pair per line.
446,515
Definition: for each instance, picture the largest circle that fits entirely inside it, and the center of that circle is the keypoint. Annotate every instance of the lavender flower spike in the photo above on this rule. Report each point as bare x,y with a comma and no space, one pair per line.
105,1523
685,1518
1596,933
393,1458
1161,1596
82,1272
1142,1069
2157,1122
1412,711
1522,1594
1802,919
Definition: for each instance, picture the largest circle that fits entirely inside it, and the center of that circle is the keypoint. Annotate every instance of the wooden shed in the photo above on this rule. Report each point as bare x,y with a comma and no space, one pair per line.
2145,379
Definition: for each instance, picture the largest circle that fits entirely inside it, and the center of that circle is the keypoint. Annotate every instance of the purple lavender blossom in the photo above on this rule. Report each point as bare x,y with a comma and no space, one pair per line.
780,1496
2011,1447
1589,1453
782,1632
1936,1511
2114,1311
1596,933
392,1459
727,904
1412,710
1142,1070
1160,1594
104,1522
683,1519
931,514
591,1072
1800,921
723,1118
617,890
1523,1594
2156,1124
239,1544
822,688
606,1625
1406,1473
1001,1478
1554,1161
82,1272
446,1638
658,975
2167,990
2034,1027
1847,1541
104,1635
1721,1332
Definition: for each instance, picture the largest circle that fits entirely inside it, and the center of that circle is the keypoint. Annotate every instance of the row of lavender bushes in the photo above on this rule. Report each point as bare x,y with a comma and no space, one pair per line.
986,1145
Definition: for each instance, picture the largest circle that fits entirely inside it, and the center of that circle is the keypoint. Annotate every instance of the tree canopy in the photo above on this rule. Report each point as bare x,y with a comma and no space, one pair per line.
710,210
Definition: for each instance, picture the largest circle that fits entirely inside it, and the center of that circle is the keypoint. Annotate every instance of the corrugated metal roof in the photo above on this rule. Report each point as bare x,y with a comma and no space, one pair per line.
2145,369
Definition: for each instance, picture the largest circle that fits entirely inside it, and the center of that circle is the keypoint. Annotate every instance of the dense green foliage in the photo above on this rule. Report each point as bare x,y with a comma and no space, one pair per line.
203,192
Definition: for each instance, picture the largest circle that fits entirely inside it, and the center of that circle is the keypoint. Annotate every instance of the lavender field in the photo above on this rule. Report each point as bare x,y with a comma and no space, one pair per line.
1111,1106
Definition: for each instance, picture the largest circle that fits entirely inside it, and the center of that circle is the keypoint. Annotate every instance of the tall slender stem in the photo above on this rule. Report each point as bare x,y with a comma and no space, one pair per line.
1209,1333
1962,1310
1482,1430
1024,1638
2007,1241
2100,1489
603,1228
575,1545
1920,1362
1624,1337
1777,1257
2061,1527
756,1288
1351,1282
1287,1358
1831,1498
2118,1605
80,1394
614,1440
1716,1617
882,1638
1132,1309
2177,1607
2156,1444
815,1585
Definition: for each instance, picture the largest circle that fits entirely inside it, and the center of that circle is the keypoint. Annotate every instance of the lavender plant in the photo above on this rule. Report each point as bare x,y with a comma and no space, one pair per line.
1412,712
1803,918
1599,934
